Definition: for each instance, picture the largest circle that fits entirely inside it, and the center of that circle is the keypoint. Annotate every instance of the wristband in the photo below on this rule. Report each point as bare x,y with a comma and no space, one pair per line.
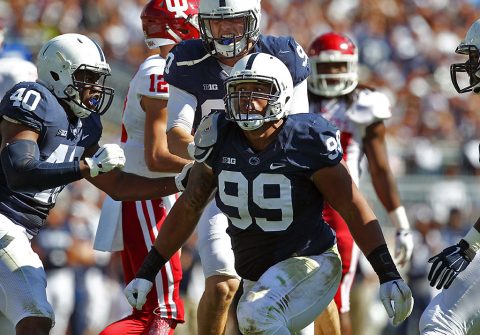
399,218
473,239
151,265
383,264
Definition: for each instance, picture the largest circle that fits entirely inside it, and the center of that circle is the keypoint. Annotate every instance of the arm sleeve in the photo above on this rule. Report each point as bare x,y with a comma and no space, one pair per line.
181,109
300,99
24,171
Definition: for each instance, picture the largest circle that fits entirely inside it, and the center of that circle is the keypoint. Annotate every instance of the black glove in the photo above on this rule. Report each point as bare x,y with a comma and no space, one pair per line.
449,263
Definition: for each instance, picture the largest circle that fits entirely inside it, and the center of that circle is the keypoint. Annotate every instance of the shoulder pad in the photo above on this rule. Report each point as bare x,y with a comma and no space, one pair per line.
289,52
206,136
371,106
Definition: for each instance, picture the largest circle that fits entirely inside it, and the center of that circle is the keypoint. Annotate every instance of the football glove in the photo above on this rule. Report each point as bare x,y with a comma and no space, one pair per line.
136,292
399,293
449,263
403,246
107,158
181,179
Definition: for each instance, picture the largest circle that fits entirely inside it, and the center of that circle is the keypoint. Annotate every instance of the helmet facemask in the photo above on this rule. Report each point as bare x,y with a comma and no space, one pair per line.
460,81
230,45
88,82
333,84
240,106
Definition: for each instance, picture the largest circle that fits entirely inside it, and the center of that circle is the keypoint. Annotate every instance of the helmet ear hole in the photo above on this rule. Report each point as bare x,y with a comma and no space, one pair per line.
55,76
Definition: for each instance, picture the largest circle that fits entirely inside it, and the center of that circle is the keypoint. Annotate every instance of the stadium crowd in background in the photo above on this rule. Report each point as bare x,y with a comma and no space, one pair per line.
405,50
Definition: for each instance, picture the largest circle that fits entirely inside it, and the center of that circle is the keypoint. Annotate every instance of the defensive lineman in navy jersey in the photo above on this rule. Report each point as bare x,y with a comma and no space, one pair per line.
195,72
270,173
283,224
50,131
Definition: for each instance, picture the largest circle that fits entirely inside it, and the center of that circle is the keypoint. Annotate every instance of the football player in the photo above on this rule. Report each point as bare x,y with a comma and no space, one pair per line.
195,71
144,142
13,69
456,270
359,112
50,131
270,172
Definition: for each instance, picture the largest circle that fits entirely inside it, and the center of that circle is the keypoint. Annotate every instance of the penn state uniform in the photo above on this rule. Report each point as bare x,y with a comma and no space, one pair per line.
282,216
192,69
455,311
23,214
352,116
189,61
284,250
60,140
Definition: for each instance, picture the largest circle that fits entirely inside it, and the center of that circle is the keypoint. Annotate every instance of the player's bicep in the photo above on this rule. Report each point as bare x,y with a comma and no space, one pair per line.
181,109
178,140
375,147
155,125
340,191
11,131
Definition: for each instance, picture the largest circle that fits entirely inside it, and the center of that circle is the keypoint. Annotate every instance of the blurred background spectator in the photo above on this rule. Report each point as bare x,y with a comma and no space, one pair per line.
406,48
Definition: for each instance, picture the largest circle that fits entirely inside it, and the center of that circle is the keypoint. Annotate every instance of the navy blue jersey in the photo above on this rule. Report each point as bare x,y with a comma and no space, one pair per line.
191,68
273,207
60,140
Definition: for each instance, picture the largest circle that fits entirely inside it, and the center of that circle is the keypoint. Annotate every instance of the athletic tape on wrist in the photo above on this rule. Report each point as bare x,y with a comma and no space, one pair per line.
399,218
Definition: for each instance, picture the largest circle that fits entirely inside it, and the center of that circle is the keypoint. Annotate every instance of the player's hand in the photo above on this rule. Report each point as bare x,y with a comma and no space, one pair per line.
399,293
107,158
403,246
181,179
449,263
136,292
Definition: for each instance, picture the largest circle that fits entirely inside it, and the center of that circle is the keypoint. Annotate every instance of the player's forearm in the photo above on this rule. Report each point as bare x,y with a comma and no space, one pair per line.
26,173
123,186
386,190
177,228
165,162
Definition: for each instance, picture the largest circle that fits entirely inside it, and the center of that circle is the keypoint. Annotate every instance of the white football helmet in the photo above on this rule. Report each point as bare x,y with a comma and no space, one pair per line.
58,60
229,46
470,46
258,68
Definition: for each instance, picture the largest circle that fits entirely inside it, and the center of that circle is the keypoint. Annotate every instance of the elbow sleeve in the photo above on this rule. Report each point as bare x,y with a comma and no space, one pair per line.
25,172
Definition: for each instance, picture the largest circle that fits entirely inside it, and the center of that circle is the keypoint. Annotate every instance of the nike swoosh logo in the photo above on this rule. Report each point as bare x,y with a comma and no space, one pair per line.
283,51
275,166
85,136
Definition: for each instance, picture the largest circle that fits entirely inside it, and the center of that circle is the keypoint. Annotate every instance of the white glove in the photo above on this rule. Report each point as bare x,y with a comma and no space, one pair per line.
181,179
399,293
136,292
107,158
403,246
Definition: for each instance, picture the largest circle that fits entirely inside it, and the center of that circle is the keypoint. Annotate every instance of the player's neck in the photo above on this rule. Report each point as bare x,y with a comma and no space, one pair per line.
261,138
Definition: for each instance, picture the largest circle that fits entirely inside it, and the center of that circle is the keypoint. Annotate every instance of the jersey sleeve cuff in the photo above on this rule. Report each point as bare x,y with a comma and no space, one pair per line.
473,239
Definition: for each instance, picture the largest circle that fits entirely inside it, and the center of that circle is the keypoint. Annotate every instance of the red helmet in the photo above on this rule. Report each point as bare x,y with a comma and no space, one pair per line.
332,48
169,21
